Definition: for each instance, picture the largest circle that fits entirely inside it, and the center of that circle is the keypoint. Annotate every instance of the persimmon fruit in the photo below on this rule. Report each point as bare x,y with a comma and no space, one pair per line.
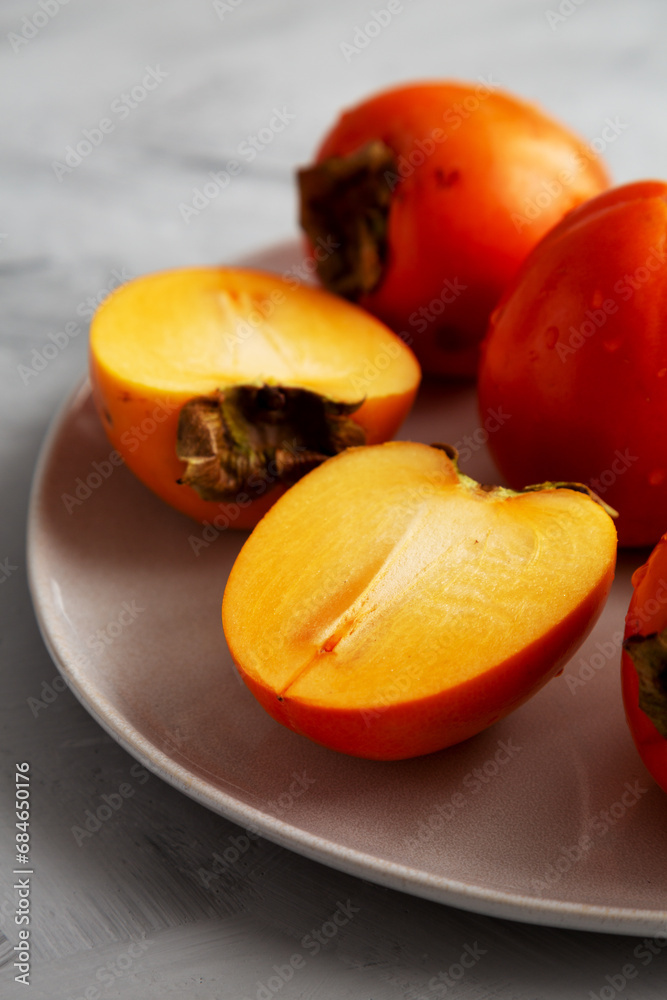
388,606
576,352
220,387
644,665
429,196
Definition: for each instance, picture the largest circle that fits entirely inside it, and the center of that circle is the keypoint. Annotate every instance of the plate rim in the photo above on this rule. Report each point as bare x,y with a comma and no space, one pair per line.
451,892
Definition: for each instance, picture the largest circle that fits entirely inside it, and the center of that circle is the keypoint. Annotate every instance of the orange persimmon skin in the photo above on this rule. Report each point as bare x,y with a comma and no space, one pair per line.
483,176
143,431
375,637
647,614
412,729
140,410
576,352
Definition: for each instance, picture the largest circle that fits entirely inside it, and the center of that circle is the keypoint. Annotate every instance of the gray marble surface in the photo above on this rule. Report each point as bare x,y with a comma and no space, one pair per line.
126,914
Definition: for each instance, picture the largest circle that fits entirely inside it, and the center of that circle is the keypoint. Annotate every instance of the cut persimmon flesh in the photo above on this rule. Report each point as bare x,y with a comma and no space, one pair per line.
388,606
220,387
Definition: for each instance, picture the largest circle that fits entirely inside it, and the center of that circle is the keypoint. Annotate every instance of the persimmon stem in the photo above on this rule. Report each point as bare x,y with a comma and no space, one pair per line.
452,454
277,433
345,205
649,656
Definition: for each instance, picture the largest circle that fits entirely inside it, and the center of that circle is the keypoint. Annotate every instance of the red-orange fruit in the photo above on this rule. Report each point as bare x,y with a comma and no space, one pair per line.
388,606
576,356
424,200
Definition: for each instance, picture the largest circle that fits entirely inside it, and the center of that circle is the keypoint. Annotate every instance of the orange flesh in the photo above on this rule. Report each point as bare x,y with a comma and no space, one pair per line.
383,583
163,339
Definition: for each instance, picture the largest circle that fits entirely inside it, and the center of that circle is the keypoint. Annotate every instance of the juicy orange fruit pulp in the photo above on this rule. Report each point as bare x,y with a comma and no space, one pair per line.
386,607
163,339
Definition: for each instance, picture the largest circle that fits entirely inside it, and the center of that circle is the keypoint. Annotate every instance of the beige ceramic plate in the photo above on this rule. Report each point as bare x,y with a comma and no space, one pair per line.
549,817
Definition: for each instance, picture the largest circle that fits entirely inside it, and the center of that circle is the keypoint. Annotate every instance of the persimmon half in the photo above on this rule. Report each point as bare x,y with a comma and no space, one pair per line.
424,200
220,387
388,606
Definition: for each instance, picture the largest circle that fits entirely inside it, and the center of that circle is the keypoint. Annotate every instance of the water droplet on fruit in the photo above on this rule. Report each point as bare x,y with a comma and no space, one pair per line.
533,355
551,336
612,344
598,299
657,477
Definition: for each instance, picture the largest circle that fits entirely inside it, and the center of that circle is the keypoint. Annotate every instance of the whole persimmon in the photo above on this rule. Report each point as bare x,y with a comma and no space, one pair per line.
644,667
576,354
220,387
388,606
424,200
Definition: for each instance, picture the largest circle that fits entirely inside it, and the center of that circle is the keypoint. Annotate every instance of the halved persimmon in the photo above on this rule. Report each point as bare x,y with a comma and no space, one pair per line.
389,606
223,386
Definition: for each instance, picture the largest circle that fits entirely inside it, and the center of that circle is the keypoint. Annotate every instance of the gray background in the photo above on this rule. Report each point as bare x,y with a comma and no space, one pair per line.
61,242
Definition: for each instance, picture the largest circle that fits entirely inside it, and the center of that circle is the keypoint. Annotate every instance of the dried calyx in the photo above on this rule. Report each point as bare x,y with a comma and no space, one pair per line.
578,488
504,491
345,203
231,437
649,656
